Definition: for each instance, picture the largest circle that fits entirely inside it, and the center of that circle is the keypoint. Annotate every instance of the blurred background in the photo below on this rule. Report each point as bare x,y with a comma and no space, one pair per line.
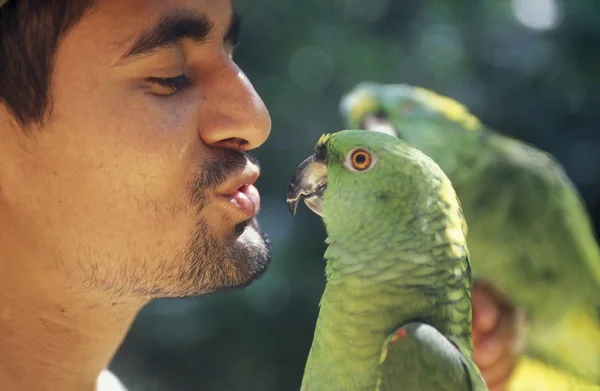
527,68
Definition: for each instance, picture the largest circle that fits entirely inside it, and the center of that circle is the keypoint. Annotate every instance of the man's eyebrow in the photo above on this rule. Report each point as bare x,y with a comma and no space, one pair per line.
169,30
173,28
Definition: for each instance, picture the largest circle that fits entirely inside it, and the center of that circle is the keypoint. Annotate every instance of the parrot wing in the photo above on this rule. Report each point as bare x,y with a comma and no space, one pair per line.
561,244
418,357
554,242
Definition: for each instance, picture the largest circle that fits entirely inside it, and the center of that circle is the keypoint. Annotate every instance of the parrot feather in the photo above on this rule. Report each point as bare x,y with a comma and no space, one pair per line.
529,228
396,310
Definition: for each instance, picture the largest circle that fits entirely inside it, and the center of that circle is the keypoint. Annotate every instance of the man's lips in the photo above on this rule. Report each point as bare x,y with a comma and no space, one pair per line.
247,199
243,195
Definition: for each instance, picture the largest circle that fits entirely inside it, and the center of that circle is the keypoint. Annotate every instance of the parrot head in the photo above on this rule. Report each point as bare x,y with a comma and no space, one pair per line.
437,125
364,182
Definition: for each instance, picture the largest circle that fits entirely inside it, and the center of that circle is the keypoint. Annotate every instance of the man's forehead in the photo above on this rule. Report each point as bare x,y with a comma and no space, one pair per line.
218,12
134,15
120,23
198,2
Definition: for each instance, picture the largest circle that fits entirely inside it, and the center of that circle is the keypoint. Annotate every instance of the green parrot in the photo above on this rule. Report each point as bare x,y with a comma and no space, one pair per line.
528,226
396,310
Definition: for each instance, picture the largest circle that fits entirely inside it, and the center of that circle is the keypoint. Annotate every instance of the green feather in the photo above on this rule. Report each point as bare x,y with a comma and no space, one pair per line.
529,231
396,255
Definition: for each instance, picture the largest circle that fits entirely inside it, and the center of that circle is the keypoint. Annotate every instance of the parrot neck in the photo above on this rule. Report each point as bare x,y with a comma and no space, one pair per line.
448,144
473,152
369,299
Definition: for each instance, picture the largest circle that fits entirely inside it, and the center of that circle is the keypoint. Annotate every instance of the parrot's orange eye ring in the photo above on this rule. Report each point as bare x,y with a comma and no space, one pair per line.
360,159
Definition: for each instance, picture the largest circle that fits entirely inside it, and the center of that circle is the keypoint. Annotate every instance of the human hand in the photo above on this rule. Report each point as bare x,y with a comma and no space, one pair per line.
497,334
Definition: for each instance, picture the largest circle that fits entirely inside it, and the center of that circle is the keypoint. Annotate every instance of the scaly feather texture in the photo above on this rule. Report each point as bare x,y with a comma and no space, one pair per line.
529,232
396,310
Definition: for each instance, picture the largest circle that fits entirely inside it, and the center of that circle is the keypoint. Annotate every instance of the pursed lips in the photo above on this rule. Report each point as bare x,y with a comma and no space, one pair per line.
241,193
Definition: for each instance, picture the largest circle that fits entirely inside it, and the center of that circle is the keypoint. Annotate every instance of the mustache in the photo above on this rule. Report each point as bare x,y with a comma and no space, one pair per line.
215,171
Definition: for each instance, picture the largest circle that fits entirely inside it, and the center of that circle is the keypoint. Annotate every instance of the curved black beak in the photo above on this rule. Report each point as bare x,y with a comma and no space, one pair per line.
309,181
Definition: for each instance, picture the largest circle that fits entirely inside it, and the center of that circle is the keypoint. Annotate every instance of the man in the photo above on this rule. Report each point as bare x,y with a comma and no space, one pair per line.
124,176
497,329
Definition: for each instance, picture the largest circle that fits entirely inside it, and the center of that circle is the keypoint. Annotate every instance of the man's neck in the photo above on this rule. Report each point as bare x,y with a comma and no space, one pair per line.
53,338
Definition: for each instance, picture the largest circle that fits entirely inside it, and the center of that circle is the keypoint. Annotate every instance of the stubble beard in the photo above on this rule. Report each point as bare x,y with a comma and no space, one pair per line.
206,263
209,264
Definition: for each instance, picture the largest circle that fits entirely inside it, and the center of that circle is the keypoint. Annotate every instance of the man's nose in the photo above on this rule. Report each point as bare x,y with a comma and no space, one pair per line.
233,116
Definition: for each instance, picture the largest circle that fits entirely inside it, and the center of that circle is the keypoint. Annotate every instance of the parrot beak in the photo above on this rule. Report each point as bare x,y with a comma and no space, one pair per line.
308,182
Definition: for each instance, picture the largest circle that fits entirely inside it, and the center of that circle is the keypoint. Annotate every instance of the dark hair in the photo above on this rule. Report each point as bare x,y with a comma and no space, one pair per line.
30,32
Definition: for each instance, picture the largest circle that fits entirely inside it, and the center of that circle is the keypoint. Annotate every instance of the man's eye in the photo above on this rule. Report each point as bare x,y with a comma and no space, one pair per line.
168,86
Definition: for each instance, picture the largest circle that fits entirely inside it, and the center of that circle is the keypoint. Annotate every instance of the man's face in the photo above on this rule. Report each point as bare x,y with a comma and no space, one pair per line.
136,183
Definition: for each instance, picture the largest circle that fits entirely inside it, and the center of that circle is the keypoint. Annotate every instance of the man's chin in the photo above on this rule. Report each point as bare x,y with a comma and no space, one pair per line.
243,261
252,252
240,228
211,265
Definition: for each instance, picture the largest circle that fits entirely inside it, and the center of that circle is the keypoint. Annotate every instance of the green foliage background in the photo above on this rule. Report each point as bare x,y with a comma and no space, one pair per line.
538,85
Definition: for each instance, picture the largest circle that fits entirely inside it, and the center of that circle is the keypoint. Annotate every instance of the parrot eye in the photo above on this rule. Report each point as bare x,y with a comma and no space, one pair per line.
360,159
